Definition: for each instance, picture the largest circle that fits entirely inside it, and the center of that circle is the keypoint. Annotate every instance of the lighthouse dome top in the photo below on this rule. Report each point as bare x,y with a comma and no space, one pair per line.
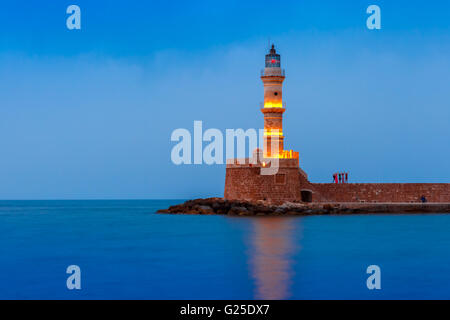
272,58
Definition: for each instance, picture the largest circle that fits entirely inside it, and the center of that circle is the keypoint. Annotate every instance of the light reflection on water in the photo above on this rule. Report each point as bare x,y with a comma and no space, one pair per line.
271,250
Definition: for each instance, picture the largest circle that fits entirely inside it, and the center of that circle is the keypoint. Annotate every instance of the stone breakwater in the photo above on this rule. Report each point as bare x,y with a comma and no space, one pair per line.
262,208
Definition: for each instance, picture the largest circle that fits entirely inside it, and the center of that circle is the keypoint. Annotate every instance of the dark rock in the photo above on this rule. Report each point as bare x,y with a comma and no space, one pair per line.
293,213
262,208
204,209
238,211
279,211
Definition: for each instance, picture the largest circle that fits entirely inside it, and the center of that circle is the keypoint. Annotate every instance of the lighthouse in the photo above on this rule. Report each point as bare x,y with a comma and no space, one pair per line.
271,174
273,108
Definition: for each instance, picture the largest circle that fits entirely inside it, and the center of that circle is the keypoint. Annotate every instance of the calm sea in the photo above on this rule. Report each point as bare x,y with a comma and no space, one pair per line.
127,251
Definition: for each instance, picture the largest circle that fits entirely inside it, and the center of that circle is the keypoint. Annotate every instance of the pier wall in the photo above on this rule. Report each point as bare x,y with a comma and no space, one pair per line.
244,182
381,192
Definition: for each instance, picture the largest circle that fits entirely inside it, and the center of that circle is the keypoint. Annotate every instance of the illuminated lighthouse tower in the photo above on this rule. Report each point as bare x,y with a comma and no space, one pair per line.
273,109
272,174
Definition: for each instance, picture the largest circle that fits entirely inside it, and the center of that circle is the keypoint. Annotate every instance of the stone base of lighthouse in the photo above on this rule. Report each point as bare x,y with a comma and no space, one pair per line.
244,181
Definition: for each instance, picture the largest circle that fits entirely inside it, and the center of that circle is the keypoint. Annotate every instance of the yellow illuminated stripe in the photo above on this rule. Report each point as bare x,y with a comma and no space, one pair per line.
270,104
270,133
285,154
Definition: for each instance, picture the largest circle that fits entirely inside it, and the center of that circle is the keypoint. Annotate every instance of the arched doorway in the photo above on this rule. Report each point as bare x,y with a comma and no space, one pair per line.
306,195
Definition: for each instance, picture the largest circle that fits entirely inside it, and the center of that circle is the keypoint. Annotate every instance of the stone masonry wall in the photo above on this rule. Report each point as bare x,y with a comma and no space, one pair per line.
381,192
246,183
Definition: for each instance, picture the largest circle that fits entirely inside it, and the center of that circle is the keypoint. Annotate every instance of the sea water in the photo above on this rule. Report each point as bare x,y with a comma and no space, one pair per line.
127,251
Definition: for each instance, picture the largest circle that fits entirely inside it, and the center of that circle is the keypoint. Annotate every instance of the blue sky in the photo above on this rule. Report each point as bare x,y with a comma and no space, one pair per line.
88,114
